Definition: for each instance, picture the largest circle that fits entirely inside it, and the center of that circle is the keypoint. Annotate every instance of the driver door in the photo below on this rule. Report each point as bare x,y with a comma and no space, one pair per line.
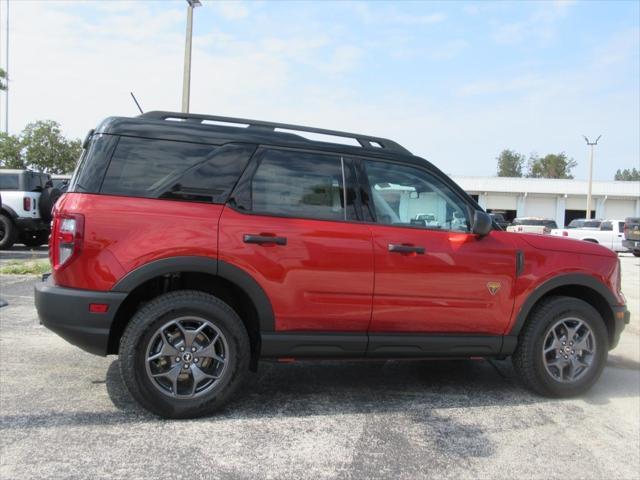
432,275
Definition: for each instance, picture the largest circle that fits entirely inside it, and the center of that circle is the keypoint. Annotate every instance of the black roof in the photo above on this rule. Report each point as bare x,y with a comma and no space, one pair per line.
217,130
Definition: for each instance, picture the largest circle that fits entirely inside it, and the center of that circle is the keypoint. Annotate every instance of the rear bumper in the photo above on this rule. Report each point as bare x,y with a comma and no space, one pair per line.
31,224
631,244
65,311
621,318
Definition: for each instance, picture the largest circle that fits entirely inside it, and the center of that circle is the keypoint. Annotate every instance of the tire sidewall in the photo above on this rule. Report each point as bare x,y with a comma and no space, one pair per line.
142,330
10,233
565,308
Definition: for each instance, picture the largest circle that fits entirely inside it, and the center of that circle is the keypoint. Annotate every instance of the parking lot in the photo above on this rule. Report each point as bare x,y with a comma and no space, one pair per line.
66,414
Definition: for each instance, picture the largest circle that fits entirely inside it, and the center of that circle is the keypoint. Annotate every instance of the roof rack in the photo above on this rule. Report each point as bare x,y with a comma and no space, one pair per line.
365,141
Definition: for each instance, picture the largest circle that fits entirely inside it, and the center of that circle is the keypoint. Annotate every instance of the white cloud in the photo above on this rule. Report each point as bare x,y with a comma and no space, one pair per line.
231,10
540,26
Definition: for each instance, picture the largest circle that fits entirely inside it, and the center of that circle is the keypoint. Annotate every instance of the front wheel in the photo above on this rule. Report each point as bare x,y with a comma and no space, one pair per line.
184,354
562,349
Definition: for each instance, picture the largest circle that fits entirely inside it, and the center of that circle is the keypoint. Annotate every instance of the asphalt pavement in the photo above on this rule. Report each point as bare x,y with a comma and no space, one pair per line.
66,414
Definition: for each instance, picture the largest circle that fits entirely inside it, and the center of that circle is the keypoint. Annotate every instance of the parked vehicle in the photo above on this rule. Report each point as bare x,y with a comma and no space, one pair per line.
584,223
609,234
194,248
60,181
632,235
532,225
27,200
499,220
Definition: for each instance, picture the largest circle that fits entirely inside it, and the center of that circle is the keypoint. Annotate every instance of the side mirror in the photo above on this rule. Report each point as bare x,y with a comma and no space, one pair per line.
482,223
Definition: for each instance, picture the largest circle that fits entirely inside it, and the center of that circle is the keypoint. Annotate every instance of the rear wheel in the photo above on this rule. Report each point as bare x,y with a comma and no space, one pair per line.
8,233
184,354
562,349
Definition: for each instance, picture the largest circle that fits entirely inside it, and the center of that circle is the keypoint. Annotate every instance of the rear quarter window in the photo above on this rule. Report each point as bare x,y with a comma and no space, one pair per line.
174,170
9,181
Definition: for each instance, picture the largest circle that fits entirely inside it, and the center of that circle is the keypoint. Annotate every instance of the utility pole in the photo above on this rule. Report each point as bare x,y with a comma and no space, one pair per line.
6,91
591,145
186,79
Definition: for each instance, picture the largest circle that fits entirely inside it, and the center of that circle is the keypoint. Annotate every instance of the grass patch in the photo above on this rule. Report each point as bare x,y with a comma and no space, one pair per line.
26,267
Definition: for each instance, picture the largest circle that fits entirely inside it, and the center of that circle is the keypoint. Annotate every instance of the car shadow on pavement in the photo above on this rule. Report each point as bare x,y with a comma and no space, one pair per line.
309,388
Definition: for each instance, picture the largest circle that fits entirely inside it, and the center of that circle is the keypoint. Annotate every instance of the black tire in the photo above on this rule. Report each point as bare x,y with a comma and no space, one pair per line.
48,199
528,358
8,232
636,253
141,331
33,240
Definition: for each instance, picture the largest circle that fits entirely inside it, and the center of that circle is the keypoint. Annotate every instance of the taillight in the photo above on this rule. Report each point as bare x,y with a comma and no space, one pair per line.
26,204
66,238
565,233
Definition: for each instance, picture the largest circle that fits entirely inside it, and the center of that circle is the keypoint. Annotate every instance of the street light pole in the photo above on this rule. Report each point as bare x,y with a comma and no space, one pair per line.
186,79
591,145
6,90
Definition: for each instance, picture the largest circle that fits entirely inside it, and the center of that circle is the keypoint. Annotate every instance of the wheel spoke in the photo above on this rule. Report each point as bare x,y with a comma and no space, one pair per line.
188,336
583,343
172,374
167,349
555,345
210,351
198,375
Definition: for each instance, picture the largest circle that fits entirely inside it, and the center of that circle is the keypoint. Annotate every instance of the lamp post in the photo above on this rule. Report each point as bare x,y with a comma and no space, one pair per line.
186,79
591,145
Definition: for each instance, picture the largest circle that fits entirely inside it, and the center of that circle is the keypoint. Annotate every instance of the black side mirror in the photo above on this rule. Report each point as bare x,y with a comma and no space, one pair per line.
482,223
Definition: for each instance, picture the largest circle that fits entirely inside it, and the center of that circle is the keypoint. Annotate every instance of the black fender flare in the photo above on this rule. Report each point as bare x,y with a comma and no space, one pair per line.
12,214
571,279
208,265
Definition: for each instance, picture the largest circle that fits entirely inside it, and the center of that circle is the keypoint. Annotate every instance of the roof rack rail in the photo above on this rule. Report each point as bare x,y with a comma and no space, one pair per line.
365,141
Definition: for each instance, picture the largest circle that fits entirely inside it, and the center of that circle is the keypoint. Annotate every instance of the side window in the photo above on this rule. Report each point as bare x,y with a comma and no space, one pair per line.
621,227
174,170
408,196
9,181
298,184
607,226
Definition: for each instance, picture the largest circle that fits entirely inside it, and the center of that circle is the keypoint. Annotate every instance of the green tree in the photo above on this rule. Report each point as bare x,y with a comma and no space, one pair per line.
3,78
510,164
45,148
627,175
40,146
552,165
10,151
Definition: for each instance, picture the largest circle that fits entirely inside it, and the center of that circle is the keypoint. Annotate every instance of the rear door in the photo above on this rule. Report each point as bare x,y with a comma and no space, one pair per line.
291,225
434,276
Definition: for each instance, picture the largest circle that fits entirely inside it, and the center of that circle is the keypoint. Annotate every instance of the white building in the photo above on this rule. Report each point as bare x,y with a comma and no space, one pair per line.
559,199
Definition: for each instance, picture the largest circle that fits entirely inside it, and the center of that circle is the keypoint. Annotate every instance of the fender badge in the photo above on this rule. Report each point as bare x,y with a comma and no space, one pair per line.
493,287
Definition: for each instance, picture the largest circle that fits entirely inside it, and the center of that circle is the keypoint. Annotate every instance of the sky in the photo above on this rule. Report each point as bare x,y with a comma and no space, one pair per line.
454,82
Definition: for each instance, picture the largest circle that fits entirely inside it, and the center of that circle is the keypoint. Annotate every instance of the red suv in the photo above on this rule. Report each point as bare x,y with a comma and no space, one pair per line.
192,246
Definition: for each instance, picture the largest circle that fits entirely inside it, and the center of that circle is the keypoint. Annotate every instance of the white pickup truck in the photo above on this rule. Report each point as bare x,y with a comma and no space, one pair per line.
610,234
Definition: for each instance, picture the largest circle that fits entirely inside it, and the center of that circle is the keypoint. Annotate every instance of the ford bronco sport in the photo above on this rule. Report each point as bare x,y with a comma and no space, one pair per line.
25,212
192,246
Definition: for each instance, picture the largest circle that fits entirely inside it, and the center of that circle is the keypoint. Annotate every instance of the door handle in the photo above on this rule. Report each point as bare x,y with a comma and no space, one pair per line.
399,248
264,239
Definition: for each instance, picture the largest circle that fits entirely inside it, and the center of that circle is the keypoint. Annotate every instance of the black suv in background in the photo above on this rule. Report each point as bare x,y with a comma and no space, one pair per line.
632,235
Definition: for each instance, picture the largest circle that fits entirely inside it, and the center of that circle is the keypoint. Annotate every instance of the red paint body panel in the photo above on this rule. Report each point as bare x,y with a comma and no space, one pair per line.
444,290
552,259
334,276
321,280
123,233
